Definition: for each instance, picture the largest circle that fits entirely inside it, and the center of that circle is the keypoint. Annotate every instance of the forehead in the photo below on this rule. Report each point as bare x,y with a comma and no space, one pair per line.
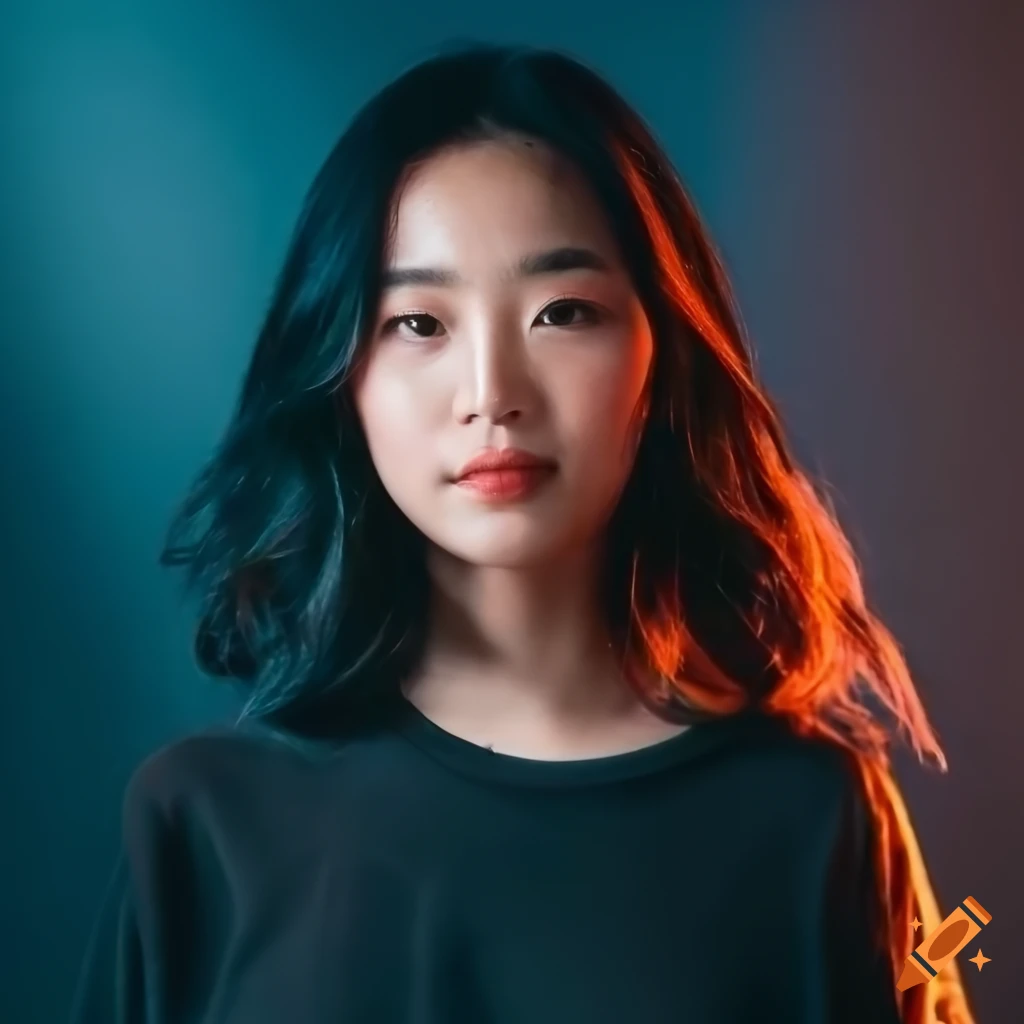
484,204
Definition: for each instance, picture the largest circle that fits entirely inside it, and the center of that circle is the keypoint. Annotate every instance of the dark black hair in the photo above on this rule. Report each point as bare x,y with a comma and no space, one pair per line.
725,573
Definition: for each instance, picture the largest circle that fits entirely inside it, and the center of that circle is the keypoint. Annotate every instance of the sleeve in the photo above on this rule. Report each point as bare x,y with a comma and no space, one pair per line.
130,957
860,982
905,890
111,980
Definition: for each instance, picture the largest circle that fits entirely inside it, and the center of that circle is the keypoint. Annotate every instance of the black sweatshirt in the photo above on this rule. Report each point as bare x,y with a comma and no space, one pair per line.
406,875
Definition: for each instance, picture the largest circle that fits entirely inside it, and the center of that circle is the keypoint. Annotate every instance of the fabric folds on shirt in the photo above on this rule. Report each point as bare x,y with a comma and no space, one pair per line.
406,876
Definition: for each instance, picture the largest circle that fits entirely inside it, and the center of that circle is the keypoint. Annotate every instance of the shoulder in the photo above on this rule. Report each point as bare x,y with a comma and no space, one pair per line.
195,773
781,757
796,782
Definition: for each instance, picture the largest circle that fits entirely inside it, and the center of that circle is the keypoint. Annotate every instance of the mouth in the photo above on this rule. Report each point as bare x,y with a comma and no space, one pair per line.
506,475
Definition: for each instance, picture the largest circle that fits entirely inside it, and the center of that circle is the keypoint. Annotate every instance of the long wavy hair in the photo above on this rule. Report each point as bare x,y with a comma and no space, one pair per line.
728,577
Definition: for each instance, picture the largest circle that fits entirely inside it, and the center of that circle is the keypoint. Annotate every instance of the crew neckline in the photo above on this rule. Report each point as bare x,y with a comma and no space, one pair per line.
471,759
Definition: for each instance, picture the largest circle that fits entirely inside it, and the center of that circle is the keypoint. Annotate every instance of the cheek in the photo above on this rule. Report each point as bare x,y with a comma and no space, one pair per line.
599,396
396,420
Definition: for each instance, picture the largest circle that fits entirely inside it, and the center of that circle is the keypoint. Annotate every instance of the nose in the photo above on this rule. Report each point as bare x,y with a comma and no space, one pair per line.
495,382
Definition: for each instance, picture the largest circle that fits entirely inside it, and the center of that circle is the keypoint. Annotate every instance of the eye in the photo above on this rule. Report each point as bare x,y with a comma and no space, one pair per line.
563,313
563,310
423,325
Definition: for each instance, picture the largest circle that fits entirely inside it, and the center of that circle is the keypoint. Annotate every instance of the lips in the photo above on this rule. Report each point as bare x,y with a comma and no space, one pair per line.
505,475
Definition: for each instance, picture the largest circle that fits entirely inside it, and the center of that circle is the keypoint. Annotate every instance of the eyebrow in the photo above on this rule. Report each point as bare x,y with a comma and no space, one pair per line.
551,261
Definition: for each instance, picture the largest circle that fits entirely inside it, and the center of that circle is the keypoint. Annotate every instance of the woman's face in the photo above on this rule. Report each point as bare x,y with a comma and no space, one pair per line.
486,353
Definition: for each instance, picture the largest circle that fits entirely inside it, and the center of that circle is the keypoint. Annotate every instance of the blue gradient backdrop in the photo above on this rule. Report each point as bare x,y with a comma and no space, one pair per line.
860,165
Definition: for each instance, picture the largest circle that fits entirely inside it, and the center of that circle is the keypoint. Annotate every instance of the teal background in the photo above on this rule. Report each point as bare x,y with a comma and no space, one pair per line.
860,166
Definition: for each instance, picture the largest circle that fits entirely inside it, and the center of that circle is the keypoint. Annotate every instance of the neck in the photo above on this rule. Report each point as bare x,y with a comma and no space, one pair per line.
524,642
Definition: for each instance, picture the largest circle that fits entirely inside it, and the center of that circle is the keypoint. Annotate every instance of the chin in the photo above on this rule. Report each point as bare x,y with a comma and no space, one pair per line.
506,545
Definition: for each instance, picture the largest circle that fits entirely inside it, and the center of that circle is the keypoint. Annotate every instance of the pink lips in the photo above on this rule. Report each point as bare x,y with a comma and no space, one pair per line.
509,474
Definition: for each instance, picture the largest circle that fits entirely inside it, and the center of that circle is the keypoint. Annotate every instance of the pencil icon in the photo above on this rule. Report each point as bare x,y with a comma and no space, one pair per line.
967,919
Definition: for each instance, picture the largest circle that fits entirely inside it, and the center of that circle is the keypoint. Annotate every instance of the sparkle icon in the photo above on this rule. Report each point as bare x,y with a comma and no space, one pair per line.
981,959
943,943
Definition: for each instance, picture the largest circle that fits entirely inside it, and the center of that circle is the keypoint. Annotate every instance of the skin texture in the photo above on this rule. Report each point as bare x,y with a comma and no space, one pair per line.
492,370
516,633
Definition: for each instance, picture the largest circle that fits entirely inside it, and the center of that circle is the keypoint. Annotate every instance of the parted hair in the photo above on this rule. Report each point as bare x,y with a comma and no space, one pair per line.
728,577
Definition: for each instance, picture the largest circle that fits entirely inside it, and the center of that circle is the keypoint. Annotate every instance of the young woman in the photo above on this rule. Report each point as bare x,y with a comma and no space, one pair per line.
563,700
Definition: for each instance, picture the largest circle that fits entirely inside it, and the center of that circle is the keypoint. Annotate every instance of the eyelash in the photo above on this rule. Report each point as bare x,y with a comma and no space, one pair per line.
593,315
